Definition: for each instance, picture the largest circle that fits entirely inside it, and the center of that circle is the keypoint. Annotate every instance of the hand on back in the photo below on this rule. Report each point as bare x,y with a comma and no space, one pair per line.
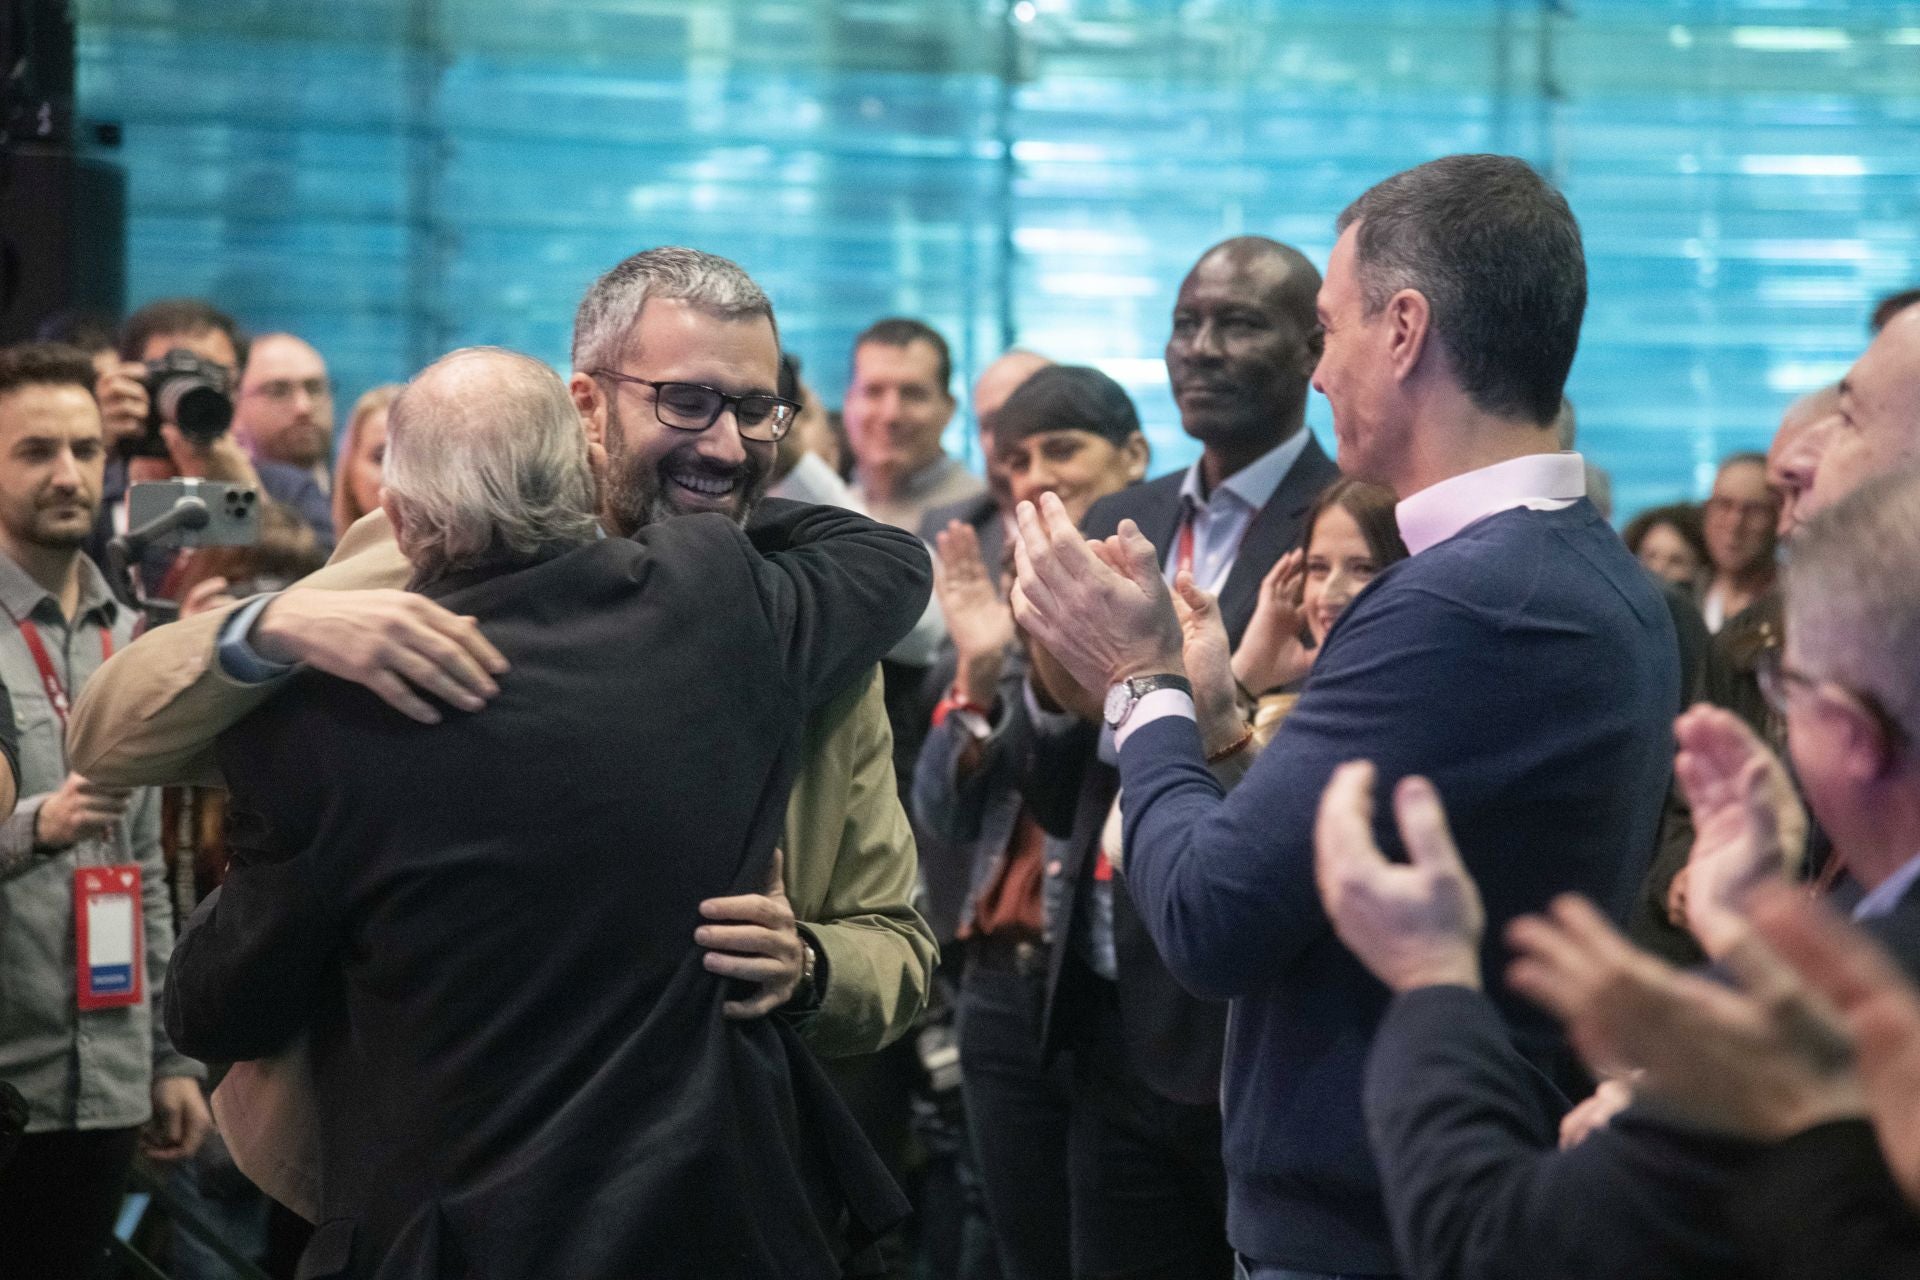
397,643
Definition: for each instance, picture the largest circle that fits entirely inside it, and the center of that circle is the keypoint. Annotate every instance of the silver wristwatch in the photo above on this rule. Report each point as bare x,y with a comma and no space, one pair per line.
1125,696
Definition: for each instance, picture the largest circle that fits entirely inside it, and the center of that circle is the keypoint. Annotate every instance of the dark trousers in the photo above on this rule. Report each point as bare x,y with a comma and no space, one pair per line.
878,1090
1149,1188
1018,1113
59,1196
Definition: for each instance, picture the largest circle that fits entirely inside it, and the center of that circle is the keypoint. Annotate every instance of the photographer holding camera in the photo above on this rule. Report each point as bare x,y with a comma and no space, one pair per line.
167,406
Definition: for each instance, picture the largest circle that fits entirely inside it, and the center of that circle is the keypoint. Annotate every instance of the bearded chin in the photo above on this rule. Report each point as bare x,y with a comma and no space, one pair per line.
637,496
57,538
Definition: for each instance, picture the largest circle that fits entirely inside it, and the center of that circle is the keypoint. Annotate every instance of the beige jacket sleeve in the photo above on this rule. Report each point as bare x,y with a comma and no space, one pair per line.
149,717
853,874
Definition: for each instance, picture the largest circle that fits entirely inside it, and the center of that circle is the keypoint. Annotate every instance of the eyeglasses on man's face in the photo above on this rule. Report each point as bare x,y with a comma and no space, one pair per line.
280,390
690,406
1727,508
1778,681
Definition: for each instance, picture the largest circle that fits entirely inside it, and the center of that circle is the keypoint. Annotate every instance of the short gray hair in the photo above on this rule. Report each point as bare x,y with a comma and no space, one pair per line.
1853,598
486,457
612,306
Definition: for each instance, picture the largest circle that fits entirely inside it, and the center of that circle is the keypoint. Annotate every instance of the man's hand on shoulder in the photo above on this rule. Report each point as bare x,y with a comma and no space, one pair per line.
754,937
396,643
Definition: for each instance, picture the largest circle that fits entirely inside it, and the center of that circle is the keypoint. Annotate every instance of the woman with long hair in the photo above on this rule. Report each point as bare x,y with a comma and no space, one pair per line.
356,467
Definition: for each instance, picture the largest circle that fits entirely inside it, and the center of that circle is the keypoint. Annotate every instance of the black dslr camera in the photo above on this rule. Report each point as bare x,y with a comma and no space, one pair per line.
190,392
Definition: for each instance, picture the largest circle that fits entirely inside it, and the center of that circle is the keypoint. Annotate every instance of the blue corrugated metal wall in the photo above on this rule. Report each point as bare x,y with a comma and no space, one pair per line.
395,178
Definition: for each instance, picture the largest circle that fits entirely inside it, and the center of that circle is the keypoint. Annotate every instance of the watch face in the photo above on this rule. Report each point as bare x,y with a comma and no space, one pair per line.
1119,698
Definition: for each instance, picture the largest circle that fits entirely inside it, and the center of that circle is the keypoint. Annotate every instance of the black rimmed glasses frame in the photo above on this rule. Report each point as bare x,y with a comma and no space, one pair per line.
1777,681
694,406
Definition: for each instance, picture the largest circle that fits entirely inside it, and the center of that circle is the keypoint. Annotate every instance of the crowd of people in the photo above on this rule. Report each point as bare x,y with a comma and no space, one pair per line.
683,830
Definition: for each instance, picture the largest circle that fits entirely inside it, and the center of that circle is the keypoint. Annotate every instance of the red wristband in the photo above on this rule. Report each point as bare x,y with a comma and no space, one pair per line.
955,701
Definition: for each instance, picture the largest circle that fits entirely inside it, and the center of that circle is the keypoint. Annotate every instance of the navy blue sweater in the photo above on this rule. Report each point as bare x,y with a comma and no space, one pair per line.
1528,666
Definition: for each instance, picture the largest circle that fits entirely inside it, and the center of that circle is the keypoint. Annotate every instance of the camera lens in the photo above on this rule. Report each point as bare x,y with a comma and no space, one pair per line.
202,412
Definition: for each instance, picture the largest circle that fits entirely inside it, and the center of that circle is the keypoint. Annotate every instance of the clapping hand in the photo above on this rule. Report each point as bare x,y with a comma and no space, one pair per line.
1763,1060
1415,924
1204,650
1271,653
978,620
1749,826
1876,1003
1104,613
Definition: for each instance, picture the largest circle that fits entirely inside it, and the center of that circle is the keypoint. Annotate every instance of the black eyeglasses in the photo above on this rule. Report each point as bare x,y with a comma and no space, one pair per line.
1777,680
689,406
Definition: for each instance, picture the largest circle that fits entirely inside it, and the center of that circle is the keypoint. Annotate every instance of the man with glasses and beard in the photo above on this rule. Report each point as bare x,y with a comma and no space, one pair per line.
648,336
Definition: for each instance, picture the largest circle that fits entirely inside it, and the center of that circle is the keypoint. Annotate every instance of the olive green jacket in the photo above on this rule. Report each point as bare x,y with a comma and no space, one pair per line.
150,715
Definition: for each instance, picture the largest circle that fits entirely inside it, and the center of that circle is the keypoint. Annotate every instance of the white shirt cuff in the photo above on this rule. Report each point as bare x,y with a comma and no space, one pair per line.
1157,705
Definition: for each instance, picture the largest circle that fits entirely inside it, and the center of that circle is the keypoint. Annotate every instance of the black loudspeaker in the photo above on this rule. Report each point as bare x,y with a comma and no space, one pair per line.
63,238
36,72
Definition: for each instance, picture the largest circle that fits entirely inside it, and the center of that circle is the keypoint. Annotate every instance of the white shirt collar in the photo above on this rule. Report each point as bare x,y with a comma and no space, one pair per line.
1538,481
1890,891
1252,485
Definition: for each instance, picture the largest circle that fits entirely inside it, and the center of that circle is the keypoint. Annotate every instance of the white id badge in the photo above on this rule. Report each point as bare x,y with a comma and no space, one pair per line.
108,927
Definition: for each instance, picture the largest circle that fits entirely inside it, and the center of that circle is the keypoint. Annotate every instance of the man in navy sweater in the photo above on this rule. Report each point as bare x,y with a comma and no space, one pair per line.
1518,658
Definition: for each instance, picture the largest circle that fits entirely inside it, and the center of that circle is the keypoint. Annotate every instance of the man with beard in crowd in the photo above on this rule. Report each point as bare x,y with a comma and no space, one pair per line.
83,1046
283,408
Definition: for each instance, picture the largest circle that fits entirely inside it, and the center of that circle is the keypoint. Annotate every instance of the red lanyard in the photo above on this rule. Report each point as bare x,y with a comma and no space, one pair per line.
1183,549
49,678
1183,556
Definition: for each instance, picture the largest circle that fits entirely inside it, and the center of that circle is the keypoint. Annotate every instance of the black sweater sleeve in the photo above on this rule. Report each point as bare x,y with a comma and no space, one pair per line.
1823,1204
840,589
1465,1132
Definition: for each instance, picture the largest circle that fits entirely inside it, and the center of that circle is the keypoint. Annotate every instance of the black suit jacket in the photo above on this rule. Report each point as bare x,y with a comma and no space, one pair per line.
1174,1040
1824,1206
1465,1134
522,1062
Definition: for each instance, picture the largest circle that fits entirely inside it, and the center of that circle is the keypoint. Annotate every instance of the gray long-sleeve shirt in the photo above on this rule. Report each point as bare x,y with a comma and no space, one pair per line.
77,1070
